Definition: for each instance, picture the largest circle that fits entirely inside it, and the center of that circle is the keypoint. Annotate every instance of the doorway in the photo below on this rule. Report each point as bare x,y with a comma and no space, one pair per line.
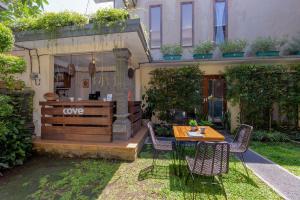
214,93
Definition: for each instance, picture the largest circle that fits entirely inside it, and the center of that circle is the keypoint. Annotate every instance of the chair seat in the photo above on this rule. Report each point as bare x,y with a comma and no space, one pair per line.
163,145
207,170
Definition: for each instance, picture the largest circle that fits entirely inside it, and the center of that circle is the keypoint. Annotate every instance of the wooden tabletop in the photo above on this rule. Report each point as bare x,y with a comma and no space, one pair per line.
210,134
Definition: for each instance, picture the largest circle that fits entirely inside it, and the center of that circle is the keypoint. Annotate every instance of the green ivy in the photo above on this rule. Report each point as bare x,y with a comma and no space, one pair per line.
257,88
175,88
6,39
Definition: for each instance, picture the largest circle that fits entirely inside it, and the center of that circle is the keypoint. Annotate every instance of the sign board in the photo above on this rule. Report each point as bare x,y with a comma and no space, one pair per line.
73,111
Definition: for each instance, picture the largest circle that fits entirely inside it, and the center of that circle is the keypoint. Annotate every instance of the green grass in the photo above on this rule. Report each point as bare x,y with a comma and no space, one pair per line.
285,154
56,178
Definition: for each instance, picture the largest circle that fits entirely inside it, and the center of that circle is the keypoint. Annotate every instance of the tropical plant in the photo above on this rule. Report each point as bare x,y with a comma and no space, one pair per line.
174,89
294,44
171,49
193,122
6,39
110,17
205,123
231,46
21,9
267,44
204,48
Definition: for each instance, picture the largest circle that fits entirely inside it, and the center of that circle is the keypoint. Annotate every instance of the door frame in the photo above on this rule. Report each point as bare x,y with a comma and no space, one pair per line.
206,79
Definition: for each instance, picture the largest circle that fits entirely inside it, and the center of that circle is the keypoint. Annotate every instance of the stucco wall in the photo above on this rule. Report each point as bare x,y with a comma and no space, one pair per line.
247,19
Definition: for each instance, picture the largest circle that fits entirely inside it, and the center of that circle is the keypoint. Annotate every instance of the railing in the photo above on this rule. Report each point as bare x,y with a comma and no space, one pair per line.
86,121
135,110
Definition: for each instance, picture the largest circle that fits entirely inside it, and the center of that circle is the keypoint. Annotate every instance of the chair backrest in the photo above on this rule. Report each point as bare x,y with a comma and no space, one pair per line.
212,158
243,136
152,134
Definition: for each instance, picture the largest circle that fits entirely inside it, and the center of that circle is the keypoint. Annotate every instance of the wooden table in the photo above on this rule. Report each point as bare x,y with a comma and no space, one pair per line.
210,134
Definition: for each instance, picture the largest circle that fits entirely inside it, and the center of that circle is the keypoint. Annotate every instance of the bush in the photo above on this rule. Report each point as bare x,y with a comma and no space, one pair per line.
110,17
6,39
50,21
10,65
204,48
170,49
269,136
163,130
294,45
231,46
267,44
174,89
15,139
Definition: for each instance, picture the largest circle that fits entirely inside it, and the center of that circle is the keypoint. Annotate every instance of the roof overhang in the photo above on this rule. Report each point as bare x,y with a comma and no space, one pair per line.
88,39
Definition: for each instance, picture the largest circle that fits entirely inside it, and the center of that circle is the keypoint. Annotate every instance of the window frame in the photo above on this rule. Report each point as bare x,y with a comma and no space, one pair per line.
214,18
193,21
161,26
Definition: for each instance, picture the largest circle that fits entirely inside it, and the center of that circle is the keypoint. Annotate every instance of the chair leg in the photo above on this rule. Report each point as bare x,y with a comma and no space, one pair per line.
221,181
155,155
243,161
187,178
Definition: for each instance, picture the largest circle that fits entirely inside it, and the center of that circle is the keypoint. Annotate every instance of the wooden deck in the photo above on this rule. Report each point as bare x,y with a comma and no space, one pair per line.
122,150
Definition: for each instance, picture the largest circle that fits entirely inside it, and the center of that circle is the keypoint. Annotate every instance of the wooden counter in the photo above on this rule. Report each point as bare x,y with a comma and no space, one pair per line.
86,120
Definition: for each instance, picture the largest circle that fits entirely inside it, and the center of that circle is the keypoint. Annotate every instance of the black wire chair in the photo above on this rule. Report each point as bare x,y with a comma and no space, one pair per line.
241,142
159,146
211,159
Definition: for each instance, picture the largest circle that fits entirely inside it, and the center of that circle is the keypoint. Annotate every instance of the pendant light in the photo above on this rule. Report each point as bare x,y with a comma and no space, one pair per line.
71,67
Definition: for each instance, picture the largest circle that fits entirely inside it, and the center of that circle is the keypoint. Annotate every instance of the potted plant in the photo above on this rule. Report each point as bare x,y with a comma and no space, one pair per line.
233,48
193,123
204,50
267,46
171,52
294,46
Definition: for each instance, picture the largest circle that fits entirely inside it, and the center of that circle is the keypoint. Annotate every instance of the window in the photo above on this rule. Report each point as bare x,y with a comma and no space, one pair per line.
187,24
220,33
155,27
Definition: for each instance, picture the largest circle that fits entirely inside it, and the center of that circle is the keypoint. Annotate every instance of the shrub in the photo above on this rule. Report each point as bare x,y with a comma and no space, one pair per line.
294,45
269,136
267,44
50,21
170,49
110,17
174,89
10,65
204,48
163,130
15,139
6,39
231,46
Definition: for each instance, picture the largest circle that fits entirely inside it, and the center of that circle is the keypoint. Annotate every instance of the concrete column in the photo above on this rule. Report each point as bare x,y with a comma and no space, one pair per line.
122,126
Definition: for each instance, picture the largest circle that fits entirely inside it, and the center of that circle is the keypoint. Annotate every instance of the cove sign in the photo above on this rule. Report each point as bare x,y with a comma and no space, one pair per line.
73,111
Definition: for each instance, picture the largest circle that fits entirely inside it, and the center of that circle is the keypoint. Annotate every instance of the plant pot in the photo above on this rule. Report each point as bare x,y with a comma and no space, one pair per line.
203,56
172,57
233,54
267,53
194,128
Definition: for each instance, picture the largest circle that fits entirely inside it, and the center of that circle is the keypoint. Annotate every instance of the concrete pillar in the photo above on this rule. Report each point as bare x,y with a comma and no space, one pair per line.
122,126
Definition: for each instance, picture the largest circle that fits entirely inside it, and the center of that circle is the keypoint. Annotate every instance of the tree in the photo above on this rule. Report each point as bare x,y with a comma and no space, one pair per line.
22,8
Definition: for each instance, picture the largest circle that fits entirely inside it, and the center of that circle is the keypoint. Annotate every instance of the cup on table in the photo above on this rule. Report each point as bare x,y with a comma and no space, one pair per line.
202,130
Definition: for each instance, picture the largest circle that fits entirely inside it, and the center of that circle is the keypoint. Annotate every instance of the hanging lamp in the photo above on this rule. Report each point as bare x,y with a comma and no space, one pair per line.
71,67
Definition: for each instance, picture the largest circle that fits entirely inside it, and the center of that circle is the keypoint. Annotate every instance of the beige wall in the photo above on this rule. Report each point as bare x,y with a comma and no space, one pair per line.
247,19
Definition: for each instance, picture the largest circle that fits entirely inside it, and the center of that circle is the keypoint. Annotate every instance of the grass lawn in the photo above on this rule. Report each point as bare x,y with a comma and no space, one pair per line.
57,178
285,154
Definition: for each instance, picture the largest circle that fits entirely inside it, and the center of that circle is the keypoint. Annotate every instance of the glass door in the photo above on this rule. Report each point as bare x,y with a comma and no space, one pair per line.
214,98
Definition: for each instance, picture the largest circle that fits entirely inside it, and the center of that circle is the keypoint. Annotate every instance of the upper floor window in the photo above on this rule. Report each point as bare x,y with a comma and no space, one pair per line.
220,21
155,26
187,24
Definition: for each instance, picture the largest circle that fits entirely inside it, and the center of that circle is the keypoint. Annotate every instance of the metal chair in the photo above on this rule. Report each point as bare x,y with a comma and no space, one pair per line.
241,142
158,145
211,159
